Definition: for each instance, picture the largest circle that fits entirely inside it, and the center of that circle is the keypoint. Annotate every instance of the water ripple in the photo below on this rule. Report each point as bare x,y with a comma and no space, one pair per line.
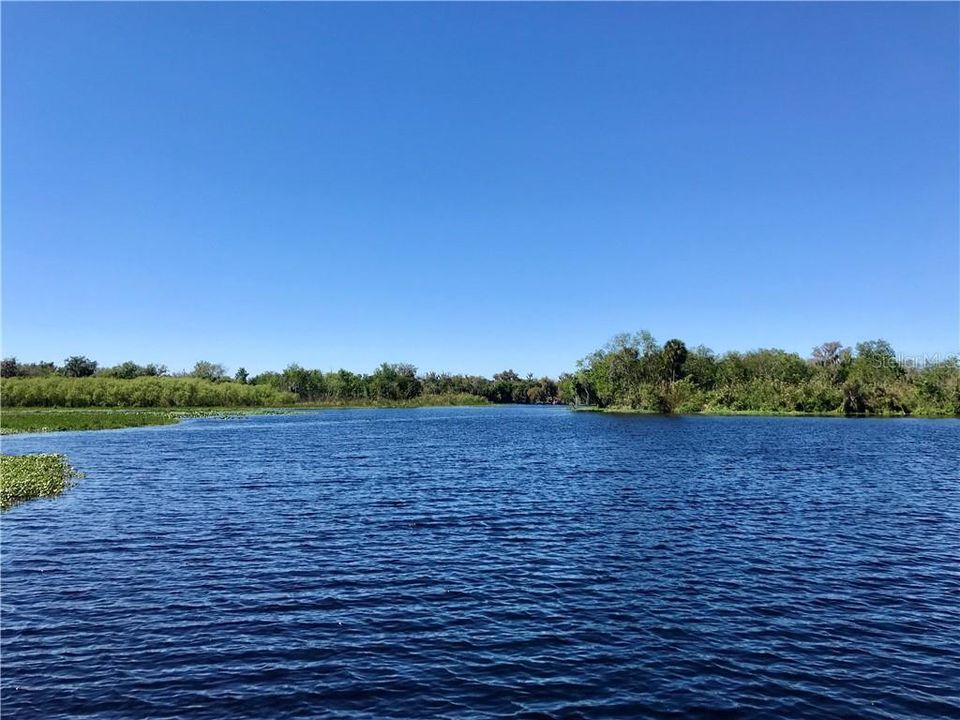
507,562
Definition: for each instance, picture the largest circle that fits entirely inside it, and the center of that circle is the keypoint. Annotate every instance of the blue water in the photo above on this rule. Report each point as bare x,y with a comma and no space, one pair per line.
495,562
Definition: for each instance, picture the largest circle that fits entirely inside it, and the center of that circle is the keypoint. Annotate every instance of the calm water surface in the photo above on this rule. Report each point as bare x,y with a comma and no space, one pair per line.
498,562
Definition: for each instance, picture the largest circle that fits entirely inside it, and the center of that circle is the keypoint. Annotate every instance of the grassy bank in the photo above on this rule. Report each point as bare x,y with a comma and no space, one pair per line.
23,420
25,477
41,419
52,420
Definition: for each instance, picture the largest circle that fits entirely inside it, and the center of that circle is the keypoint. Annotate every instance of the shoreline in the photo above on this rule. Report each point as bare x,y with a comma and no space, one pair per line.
20,421
615,410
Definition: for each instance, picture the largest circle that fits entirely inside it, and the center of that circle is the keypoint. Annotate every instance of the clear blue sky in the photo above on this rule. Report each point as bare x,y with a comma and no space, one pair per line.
475,187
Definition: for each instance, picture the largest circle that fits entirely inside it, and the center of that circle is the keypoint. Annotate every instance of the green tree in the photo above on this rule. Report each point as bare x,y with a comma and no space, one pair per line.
674,355
9,367
214,372
306,384
79,366
875,362
125,371
38,369
701,367
395,382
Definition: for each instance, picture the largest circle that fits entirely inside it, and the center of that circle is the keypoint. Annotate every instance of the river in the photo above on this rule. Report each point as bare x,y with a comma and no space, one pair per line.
525,562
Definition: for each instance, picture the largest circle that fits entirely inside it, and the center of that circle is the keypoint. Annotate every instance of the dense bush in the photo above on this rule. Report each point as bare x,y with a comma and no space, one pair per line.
56,391
398,383
634,372
389,384
630,372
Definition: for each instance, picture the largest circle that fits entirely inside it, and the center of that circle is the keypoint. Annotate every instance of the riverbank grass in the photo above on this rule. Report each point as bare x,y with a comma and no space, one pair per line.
52,420
26,477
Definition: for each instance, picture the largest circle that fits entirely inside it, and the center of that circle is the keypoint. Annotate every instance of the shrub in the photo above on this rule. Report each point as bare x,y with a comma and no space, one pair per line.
140,392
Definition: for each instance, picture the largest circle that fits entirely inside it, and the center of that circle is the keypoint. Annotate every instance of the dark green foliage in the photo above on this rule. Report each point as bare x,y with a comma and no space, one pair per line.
9,367
509,387
399,383
442,384
395,382
209,385
701,367
632,372
129,370
938,388
674,356
79,366
875,362
306,384
12,368
124,371
345,386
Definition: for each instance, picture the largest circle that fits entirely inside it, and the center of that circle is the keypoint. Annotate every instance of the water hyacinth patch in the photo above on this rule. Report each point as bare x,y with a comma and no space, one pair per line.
26,477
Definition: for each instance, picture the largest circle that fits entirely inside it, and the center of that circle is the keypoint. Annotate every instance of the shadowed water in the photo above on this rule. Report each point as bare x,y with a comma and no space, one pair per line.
509,562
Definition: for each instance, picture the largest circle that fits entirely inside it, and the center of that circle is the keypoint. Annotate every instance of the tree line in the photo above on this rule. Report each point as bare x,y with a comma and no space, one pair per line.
634,372
631,372
81,381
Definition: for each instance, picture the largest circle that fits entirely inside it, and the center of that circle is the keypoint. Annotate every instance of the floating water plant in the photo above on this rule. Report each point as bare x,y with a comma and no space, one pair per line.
25,477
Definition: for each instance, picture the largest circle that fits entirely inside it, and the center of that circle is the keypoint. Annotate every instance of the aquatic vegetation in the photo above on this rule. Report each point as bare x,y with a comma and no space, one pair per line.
61,419
25,477
30,420
44,420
